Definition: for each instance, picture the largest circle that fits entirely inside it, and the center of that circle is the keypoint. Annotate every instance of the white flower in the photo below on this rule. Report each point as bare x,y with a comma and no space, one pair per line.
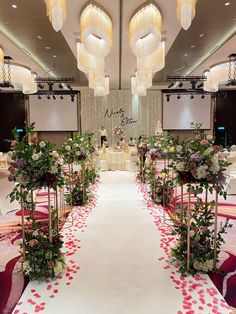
35,233
35,156
202,172
54,169
76,145
215,167
26,267
178,148
70,140
192,233
209,137
203,266
55,154
58,268
180,166
78,153
207,152
81,139
42,144
67,147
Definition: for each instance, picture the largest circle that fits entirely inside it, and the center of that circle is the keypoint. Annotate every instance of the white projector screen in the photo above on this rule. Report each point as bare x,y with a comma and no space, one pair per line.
179,113
54,115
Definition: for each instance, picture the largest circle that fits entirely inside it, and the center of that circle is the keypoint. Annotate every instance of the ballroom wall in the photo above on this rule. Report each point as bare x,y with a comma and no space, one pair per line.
135,115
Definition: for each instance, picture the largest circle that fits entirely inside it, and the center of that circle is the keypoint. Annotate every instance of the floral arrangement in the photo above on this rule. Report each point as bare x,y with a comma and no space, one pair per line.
72,151
43,259
201,239
196,161
117,131
34,165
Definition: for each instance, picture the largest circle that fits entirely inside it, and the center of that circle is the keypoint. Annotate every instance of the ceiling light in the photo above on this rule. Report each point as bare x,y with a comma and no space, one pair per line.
192,46
178,97
41,86
203,96
47,47
181,84
192,97
167,98
14,6
186,12
201,35
137,88
48,97
60,85
39,37
39,97
69,87
145,30
54,56
72,98
56,11
87,62
227,3
54,97
185,54
61,97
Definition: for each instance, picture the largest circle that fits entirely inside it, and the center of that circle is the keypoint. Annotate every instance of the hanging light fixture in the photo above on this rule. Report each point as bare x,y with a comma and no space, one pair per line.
153,62
96,30
56,11
137,88
186,12
145,29
102,87
221,73
87,62
1,55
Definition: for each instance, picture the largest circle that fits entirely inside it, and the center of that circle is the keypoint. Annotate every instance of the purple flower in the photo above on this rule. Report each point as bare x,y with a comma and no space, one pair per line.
221,179
20,163
195,157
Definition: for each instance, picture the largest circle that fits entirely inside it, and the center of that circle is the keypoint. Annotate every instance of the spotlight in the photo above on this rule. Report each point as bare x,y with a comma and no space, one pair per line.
72,98
68,86
41,86
193,83
60,86
48,97
200,85
203,96
171,85
178,97
181,84
62,97
192,97
39,97
54,97
167,98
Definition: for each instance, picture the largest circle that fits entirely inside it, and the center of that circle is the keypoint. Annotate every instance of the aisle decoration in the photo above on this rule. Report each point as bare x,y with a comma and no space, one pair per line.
197,165
36,165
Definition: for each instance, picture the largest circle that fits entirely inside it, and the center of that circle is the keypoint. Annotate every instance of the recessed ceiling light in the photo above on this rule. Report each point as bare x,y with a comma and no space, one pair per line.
185,54
47,47
54,56
39,37
227,3
192,46
14,6
201,35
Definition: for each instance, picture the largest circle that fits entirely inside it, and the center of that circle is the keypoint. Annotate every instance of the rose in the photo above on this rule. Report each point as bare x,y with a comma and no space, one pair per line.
197,136
33,242
42,144
50,178
35,156
216,149
204,142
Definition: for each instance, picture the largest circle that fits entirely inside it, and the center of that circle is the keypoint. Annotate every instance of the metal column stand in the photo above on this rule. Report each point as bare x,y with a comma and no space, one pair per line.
49,216
22,223
215,230
70,223
166,221
154,180
188,230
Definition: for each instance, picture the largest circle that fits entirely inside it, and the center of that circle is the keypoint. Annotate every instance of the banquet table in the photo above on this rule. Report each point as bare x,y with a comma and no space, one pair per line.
114,159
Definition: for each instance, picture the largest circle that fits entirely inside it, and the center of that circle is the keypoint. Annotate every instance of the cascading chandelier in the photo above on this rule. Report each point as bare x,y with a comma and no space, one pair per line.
56,11
1,55
145,31
17,77
96,42
221,73
186,12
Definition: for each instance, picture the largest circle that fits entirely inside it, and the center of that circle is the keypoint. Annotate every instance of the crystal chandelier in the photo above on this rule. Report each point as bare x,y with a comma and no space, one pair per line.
186,12
221,73
96,42
145,31
56,11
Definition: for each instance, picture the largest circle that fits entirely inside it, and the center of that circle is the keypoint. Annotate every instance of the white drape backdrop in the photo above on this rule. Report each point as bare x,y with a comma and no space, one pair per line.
135,115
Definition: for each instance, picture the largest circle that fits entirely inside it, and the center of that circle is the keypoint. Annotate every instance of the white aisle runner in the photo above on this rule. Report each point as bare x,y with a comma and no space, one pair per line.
119,270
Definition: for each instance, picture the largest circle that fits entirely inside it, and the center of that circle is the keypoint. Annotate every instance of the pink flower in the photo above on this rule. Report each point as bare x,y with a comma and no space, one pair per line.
204,142
216,149
33,242
13,144
197,136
